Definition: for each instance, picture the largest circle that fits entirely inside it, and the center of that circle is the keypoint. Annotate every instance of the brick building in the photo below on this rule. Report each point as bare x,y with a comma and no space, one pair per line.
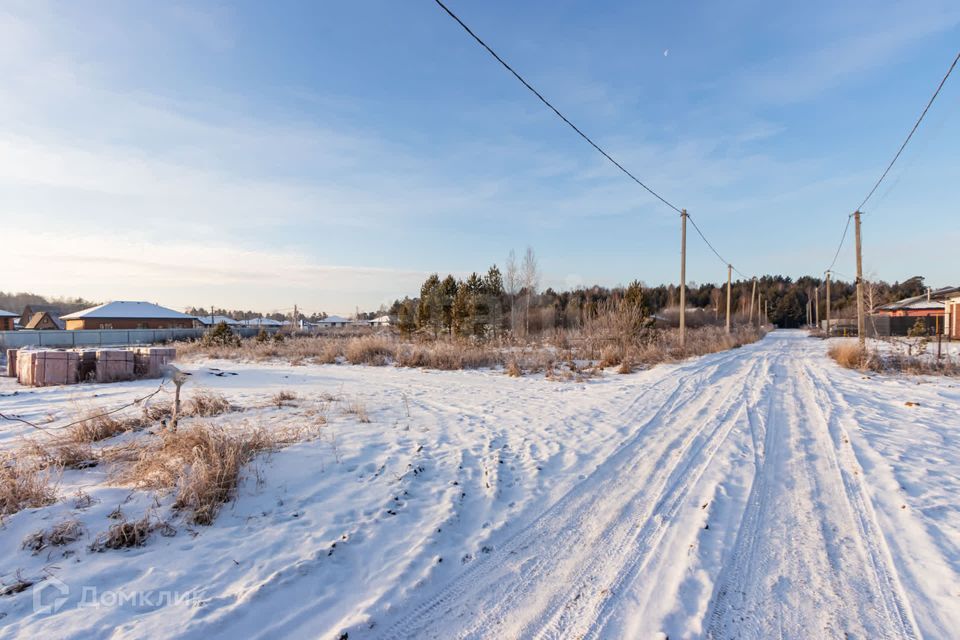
6,320
128,315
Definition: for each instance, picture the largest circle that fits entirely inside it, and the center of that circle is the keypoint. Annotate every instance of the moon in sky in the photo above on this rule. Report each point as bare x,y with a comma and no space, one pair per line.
666,52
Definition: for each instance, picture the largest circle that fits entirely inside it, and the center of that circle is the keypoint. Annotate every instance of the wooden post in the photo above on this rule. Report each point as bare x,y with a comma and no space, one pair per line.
816,300
753,294
828,303
861,325
729,277
683,277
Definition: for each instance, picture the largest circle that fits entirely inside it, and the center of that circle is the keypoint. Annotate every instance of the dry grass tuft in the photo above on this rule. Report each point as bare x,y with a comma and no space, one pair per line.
357,408
848,354
157,411
125,534
374,350
202,463
63,454
26,483
18,585
59,535
513,368
281,397
97,426
206,404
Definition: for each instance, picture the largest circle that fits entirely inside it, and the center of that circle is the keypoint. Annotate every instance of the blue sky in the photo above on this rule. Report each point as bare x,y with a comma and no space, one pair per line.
331,154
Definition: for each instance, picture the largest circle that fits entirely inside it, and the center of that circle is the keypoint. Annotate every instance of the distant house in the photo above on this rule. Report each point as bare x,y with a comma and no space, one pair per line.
930,309
211,321
334,321
382,321
929,304
123,314
44,321
6,320
262,323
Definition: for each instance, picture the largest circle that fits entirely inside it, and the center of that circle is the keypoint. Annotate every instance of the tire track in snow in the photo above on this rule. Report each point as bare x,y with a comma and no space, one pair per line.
885,578
563,526
800,491
583,616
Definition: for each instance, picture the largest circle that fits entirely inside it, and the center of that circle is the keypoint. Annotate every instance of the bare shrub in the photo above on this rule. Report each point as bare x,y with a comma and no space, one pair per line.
202,463
374,350
449,356
206,403
513,368
59,535
25,483
848,354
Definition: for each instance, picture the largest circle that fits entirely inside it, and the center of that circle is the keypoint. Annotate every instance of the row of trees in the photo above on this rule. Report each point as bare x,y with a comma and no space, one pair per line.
497,302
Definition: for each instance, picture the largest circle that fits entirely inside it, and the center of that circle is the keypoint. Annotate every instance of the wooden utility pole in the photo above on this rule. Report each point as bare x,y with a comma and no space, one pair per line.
683,277
861,325
816,298
828,303
295,317
729,278
753,294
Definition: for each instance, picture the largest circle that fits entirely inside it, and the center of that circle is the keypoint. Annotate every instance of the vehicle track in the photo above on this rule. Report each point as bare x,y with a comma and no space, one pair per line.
837,558
505,582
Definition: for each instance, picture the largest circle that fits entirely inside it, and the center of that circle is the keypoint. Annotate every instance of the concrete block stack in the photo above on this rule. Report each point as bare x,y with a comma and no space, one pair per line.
45,368
149,362
114,365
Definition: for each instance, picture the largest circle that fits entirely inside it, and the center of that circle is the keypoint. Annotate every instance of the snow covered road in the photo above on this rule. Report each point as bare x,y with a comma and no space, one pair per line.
804,556
760,492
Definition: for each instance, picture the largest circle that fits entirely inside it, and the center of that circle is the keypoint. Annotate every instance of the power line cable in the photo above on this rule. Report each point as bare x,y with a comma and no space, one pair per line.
13,418
575,127
912,131
553,108
840,246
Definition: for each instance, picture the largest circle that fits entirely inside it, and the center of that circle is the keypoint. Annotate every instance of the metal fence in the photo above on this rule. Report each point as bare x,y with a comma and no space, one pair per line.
104,337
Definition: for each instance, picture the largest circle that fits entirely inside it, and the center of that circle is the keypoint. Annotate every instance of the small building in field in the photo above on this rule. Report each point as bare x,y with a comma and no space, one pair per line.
6,320
382,321
123,314
44,321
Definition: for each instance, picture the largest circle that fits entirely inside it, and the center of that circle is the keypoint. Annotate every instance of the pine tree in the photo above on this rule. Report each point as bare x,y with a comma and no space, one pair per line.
448,291
406,318
461,311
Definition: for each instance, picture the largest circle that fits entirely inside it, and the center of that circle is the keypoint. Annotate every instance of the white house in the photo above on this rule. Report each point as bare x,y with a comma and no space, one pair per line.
382,321
334,321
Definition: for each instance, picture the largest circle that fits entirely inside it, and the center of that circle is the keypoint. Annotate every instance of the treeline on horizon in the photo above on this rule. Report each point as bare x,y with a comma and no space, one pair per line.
480,305
497,301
